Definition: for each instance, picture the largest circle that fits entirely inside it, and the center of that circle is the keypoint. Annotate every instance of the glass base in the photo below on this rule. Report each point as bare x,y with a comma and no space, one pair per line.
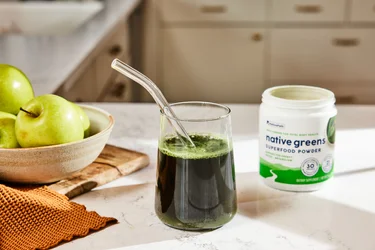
208,225
196,229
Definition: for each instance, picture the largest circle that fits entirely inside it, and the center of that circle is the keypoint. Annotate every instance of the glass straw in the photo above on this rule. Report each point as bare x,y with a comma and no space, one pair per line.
155,92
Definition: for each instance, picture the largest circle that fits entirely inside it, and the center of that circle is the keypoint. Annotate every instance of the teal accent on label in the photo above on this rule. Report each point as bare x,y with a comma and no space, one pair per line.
287,175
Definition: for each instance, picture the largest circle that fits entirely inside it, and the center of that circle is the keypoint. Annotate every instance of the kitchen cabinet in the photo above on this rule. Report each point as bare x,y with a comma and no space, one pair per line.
308,10
84,88
197,67
337,59
231,51
340,55
212,10
95,80
116,47
119,89
362,11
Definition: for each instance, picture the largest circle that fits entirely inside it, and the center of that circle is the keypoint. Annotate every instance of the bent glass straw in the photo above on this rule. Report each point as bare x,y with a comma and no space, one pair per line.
159,98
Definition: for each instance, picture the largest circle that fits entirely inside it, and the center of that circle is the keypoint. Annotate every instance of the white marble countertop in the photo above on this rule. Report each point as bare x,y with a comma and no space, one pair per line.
339,216
49,60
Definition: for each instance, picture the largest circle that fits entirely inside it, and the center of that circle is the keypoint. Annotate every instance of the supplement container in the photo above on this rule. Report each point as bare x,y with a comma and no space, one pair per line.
297,137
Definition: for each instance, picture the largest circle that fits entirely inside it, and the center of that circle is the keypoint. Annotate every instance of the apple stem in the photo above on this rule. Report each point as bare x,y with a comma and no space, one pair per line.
29,113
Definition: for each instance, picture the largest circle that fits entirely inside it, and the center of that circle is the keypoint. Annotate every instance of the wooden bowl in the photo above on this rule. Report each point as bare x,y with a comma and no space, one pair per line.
52,163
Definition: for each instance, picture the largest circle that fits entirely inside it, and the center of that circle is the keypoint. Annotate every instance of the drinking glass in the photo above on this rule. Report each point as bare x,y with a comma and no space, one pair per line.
196,187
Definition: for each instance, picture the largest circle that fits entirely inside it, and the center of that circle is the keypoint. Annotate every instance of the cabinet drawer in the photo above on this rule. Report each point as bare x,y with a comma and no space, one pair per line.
84,89
119,90
345,92
116,47
324,54
197,67
308,10
212,10
363,11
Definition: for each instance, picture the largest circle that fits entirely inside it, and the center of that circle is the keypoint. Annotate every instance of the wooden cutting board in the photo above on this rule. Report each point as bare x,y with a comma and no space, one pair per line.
112,163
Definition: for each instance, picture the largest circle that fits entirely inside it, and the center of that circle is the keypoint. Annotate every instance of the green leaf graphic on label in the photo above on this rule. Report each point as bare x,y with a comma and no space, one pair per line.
288,175
331,130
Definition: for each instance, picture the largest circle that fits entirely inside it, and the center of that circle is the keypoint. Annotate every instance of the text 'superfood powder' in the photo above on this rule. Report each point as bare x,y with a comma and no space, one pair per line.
297,137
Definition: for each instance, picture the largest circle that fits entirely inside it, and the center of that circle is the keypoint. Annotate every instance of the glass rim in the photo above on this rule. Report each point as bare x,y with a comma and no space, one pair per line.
213,104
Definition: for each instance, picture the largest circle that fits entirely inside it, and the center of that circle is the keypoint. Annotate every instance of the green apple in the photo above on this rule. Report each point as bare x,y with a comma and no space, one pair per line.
84,119
15,89
48,120
7,131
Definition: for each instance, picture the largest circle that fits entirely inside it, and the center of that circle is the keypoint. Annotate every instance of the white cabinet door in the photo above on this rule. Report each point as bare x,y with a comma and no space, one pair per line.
332,55
117,46
120,89
362,11
84,89
213,64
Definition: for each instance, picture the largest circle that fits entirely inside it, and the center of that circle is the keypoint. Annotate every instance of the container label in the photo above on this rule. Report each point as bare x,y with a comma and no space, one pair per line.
295,150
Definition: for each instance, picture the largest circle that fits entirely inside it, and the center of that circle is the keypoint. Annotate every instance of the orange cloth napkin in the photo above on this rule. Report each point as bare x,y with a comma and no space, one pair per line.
40,218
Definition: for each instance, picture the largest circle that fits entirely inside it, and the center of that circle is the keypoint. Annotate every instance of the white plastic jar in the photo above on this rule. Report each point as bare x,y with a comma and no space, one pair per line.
297,137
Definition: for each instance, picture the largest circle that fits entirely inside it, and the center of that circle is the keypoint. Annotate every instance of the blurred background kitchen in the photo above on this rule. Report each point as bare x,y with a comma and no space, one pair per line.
225,51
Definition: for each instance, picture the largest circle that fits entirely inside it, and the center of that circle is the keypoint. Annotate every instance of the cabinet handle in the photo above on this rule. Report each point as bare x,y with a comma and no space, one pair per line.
256,37
115,50
345,99
216,9
308,9
345,42
119,89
